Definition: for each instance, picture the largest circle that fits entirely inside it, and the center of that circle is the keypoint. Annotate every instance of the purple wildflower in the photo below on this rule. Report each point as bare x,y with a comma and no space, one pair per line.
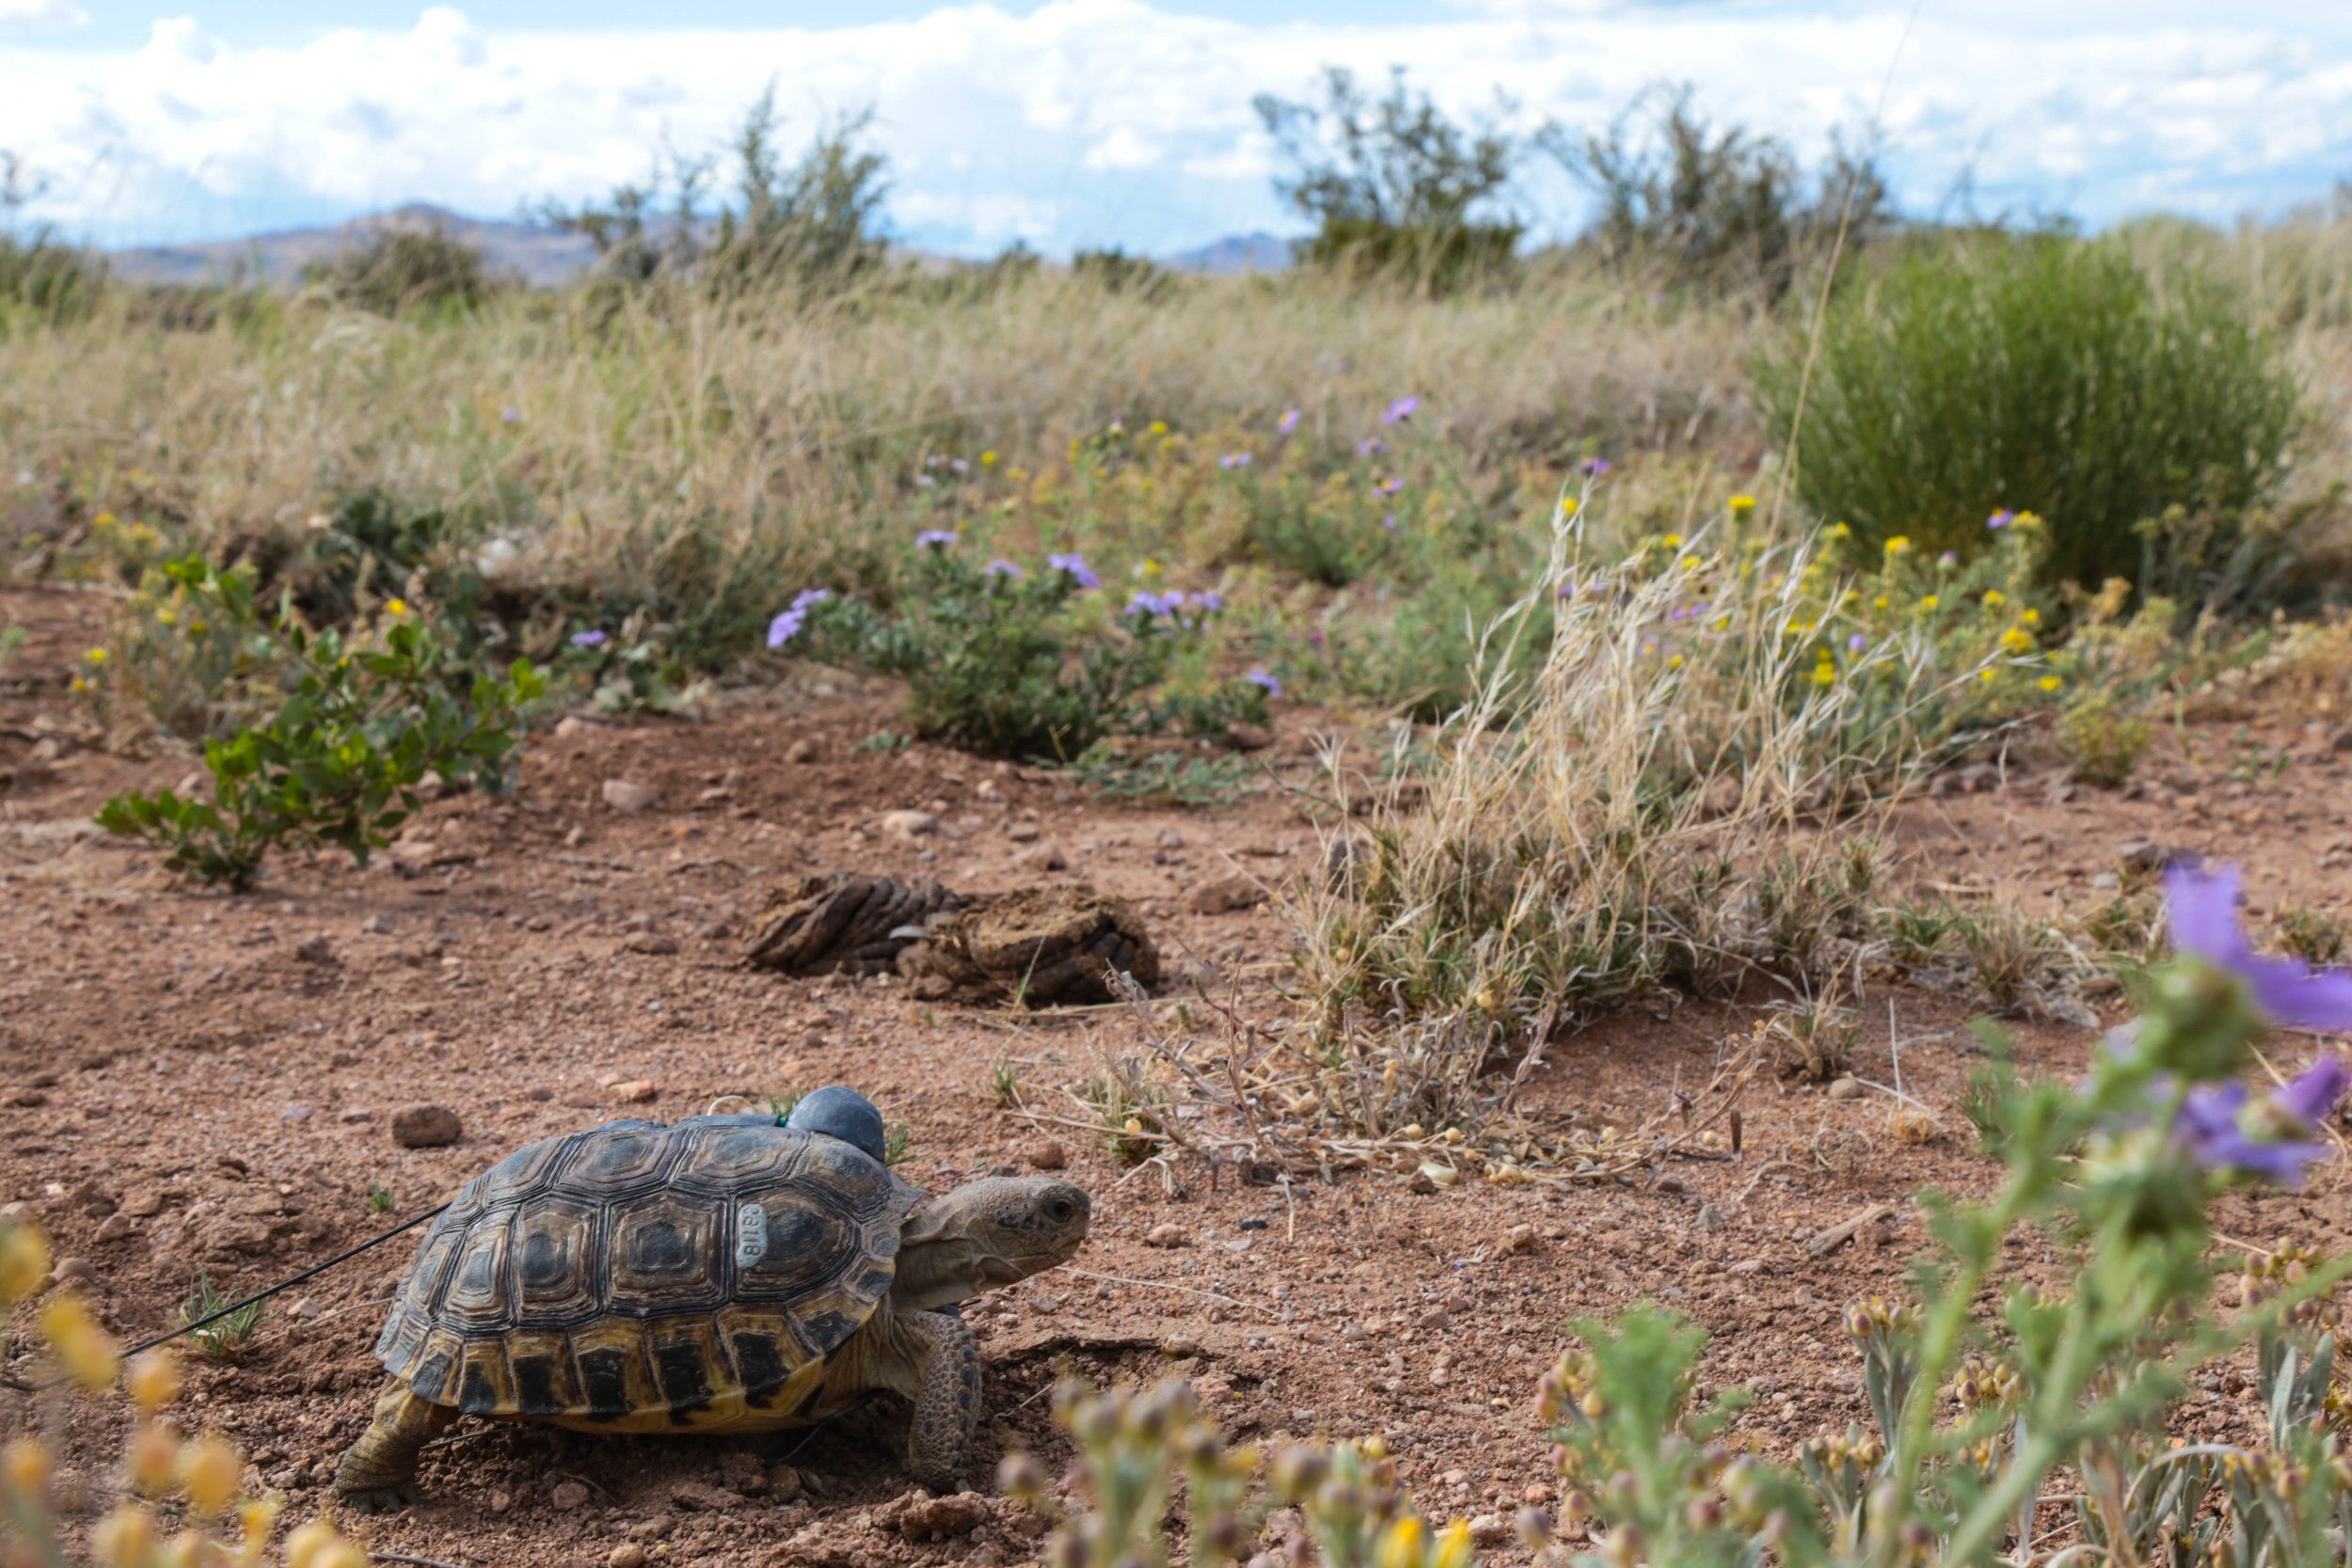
925,481
1208,603
510,415
2000,519
1593,467
1146,603
1855,643
957,465
1389,522
1001,568
1387,487
1264,681
808,596
1235,460
1949,557
591,637
2202,910
1402,410
1288,422
1073,566
2312,1095
1566,589
1371,446
935,538
2213,1128
786,626
1119,427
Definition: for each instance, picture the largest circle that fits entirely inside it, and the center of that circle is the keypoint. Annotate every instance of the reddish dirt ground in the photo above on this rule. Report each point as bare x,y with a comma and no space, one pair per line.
198,1081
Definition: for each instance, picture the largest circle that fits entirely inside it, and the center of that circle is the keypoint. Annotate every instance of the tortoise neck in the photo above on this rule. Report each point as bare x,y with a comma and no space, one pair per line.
937,1271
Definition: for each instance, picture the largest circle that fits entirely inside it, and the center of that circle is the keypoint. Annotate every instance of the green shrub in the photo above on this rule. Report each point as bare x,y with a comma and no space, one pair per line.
41,275
2039,374
1019,663
406,269
2101,743
362,720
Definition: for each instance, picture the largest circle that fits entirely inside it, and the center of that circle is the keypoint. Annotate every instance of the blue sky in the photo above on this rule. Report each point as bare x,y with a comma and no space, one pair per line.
1078,122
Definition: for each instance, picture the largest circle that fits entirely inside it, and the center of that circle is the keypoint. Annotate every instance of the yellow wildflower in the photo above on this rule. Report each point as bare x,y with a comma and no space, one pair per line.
2029,617
209,1468
2017,640
80,685
165,617
105,519
2050,683
24,1463
2027,519
1400,1543
23,1262
1985,675
1454,1547
1743,505
96,655
1994,598
85,1350
1675,663
1159,427
153,1458
124,1539
396,607
1931,601
1151,568
1689,562
1837,530
1825,670
1672,541
1879,602
154,1381
1898,544
1569,506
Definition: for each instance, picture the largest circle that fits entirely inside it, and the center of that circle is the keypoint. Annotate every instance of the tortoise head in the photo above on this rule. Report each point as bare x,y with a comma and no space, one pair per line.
987,1233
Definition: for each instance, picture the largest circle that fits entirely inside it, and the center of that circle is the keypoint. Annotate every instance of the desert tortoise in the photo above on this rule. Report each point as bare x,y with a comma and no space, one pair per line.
724,1273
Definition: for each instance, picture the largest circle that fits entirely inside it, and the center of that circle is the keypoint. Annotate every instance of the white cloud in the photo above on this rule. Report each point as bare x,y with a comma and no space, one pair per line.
1093,121
42,16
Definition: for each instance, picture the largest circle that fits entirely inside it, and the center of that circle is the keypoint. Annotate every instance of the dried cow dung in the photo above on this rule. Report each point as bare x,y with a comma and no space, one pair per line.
1041,944
838,921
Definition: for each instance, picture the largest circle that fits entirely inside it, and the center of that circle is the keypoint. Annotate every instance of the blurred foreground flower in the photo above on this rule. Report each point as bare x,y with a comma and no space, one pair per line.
2202,912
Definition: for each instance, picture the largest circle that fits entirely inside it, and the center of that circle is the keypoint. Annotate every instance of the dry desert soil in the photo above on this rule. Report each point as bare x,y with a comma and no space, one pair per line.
193,1082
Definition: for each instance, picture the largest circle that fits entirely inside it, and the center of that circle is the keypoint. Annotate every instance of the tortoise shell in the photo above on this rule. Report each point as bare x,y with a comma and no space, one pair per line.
642,1277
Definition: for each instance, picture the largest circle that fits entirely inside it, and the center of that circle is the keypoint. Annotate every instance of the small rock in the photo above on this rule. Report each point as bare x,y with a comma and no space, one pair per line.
2341,740
635,1091
650,941
1489,1529
628,1554
572,725
1022,832
1043,857
1710,1218
921,1518
1047,1154
1846,1088
803,750
2106,881
1169,1235
426,1127
27,1098
784,1483
908,824
143,1202
1520,1237
377,926
72,1271
318,950
1249,737
700,1497
628,794
2141,854
570,1495
1225,895
114,1228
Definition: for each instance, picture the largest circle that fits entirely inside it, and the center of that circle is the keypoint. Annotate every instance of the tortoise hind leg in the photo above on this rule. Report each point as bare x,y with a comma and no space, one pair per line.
379,1474
945,1366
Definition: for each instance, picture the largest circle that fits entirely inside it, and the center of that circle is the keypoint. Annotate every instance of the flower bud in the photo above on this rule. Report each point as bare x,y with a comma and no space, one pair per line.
209,1471
153,1458
307,1544
154,1381
26,1467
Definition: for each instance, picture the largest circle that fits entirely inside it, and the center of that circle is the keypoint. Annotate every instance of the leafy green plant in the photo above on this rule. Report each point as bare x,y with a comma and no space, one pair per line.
2101,744
1010,662
2316,936
379,1198
630,670
1169,777
362,720
406,268
2038,373
222,1338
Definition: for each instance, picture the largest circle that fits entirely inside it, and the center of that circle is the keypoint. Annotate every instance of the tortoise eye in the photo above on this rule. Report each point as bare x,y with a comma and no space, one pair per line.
1059,1211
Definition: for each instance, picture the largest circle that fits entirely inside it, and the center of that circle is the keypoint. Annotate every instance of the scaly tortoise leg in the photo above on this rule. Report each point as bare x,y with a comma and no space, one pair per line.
379,1474
947,1395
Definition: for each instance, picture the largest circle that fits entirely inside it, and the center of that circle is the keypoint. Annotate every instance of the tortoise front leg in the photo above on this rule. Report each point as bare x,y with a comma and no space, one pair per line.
947,1393
379,1474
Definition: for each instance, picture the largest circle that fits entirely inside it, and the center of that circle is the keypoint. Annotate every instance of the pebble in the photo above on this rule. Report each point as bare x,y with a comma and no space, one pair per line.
628,1554
114,1228
1022,832
317,950
143,1202
1846,1088
1047,1154
1520,1237
650,941
1043,857
570,1495
635,1091
427,1127
700,1497
1225,895
71,1271
377,926
908,824
1489,1529
1249,737
628,794
1169,1235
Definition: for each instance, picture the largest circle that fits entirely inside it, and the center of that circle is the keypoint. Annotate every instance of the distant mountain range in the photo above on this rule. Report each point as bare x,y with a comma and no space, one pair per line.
540,254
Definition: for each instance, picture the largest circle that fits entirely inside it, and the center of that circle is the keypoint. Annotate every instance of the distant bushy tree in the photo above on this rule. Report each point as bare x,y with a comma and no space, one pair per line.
1393,186
40,273
1728,212
397,269
813,226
